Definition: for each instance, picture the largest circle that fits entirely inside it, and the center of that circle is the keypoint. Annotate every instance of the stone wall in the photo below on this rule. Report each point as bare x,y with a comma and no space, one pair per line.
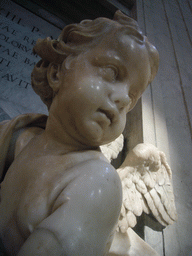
167,112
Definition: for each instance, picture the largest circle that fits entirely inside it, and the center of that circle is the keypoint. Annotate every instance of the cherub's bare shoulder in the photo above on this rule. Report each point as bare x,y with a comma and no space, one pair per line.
100,168
95,175
88,178
25,137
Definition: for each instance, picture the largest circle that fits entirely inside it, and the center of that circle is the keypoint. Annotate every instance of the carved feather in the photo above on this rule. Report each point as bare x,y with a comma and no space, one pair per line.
112,149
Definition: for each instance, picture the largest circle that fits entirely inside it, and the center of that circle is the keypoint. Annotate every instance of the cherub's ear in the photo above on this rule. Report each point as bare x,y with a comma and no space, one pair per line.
54,76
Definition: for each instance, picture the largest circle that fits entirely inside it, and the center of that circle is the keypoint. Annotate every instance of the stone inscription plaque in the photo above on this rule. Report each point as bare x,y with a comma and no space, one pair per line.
16,63
45,23
19,30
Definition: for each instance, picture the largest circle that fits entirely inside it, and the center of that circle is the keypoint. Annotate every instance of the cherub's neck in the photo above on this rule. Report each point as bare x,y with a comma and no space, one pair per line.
58,138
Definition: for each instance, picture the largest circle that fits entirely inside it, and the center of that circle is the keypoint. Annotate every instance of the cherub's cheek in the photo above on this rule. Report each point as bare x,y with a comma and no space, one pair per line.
92,88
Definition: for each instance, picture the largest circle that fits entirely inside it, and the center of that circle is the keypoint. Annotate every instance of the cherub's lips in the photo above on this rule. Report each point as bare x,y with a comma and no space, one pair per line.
109,113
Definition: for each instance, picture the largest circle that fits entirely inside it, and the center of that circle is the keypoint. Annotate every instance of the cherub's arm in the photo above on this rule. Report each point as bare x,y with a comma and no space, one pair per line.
83,216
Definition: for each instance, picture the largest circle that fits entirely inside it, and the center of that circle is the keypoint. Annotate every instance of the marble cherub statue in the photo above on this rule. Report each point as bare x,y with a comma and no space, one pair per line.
60,195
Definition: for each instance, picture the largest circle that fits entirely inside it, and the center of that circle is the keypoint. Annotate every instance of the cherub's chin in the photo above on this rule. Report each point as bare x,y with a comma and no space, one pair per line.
93,133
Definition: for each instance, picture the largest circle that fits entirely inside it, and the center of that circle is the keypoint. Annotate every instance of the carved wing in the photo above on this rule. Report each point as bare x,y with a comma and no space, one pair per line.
146,181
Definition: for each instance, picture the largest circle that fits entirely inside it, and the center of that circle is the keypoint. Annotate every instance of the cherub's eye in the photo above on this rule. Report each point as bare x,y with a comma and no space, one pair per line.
108,73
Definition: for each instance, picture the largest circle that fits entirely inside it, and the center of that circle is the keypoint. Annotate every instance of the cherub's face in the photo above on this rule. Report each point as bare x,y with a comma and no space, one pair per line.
98,88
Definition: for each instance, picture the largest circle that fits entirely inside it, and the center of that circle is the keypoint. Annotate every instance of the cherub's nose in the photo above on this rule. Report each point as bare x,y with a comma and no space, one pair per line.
120,97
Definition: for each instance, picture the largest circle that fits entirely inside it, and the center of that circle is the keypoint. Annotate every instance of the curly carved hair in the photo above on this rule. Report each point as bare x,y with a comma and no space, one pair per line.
78,38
